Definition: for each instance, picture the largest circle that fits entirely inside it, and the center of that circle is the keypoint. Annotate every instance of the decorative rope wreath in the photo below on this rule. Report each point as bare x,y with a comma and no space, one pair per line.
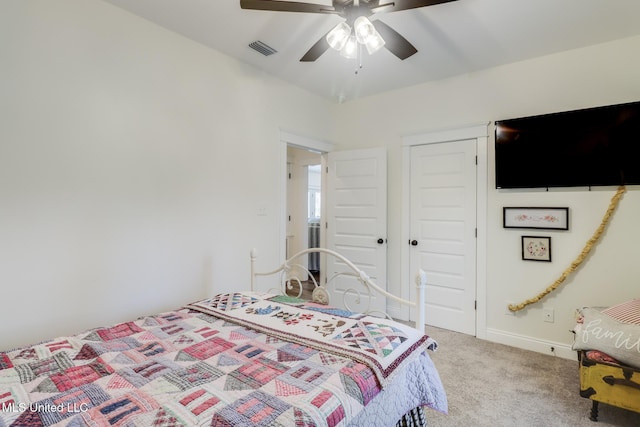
576,263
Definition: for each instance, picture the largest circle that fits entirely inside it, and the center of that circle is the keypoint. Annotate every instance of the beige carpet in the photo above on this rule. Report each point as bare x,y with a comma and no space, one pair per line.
490,384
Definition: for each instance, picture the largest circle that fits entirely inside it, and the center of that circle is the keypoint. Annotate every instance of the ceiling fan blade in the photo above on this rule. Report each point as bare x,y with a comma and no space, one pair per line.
316,50
393,41
285,6
396,5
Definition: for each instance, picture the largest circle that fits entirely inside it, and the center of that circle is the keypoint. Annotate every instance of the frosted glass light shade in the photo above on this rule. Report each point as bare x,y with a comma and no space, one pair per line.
363,29
374,43
338,37
367,35
350,49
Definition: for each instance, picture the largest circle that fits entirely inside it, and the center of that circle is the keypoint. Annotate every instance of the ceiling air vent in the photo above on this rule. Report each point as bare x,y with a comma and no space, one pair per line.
264,49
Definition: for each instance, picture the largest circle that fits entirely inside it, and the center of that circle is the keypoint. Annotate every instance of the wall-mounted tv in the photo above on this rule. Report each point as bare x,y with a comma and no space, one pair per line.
590,147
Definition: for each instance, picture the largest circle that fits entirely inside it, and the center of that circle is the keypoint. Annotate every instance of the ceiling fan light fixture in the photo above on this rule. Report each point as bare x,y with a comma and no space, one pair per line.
350,49
338,37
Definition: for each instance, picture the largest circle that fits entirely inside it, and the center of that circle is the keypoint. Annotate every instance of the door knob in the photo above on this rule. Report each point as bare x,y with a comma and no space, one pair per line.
413,243
380,241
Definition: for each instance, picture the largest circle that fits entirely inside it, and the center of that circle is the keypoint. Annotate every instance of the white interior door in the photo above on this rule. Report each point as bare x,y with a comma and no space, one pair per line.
443,231
357,222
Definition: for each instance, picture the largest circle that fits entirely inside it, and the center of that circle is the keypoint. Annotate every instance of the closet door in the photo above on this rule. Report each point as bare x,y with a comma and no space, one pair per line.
357,222
443,231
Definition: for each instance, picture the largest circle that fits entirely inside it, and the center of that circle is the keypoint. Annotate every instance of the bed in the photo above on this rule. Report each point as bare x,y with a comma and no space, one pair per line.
237,359
608,345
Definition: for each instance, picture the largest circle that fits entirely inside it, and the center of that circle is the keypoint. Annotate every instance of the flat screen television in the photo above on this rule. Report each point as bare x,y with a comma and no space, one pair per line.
591,147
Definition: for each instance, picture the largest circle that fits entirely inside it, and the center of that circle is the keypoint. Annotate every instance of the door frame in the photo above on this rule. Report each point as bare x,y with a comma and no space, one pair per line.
481,134
289,139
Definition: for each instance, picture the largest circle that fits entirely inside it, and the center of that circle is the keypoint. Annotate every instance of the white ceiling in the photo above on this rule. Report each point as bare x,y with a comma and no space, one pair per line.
452,38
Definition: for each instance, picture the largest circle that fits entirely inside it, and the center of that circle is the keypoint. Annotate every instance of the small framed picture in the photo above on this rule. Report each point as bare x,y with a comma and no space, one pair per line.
536,248
540,218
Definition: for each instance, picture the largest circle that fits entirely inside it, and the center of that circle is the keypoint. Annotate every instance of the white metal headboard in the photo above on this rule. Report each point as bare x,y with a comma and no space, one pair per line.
320,294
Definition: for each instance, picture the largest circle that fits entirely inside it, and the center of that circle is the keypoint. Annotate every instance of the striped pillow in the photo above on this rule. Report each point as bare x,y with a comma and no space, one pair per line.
626,312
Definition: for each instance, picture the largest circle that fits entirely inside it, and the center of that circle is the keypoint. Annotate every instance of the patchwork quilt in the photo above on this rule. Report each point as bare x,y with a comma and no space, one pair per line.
240,359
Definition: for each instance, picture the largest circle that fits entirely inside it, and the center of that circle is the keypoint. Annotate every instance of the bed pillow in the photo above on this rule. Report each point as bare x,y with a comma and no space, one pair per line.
598,331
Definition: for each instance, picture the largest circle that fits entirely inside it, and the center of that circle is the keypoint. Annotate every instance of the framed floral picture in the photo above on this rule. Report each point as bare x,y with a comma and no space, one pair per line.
540,218
536,248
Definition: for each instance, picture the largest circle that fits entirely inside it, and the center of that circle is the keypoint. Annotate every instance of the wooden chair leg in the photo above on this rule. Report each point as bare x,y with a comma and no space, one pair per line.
594,411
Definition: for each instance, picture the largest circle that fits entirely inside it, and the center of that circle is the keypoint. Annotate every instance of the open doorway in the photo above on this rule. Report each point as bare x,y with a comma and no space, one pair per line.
314,216
304,207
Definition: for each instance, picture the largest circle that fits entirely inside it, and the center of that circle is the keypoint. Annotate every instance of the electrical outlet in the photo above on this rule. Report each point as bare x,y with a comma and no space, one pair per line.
547,315
506,308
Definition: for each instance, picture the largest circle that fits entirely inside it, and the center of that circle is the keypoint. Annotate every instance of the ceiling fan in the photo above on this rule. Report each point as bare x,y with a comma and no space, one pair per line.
352,11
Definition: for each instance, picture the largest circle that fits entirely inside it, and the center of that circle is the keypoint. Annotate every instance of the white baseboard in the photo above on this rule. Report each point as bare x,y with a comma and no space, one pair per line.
508,338
530,343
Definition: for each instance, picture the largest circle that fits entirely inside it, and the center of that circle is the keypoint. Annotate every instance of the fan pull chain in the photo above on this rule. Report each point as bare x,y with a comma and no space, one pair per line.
576,263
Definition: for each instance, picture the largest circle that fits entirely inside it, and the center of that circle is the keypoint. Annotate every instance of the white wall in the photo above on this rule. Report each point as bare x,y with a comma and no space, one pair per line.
598,75
125,182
